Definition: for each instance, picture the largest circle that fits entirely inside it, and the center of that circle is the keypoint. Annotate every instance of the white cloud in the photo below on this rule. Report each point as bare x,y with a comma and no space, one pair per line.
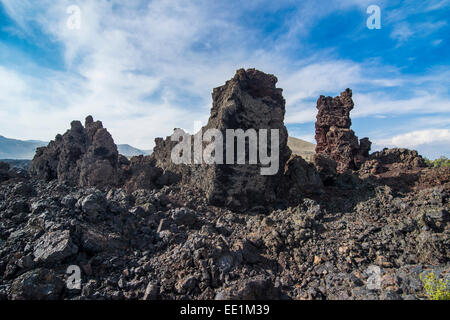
408,8
316,78
432,143
439,4
378,104
403,31
11,82
425,94
304,115
435,122
144,72
417,138
116,62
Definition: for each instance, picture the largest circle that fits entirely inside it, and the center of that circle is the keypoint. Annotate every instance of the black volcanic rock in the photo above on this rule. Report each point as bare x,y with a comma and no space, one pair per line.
334,136
250,100
8,172
85,156
142,172
301,177
38,284
326,167
400,158
54,246
4,171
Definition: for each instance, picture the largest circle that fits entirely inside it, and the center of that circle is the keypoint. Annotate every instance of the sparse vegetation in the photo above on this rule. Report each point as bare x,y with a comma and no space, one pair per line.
440,162
435,289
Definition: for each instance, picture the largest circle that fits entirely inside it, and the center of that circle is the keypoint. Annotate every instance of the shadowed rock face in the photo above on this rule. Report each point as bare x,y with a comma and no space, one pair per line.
142,173
250,100
4,171
88,157
334,136
301,178
84,156
326,167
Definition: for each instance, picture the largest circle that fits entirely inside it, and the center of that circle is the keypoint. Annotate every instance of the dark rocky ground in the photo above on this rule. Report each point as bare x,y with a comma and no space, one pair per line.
170,244
348,225
21,164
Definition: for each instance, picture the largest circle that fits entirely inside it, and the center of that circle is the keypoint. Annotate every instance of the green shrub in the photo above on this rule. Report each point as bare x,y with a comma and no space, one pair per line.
440,162
435,289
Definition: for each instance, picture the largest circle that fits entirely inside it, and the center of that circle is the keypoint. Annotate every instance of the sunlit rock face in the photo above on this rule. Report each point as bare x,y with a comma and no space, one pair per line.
334,136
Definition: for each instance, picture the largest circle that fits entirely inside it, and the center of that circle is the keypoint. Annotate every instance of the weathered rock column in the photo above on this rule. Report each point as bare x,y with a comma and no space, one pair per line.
249,101
334,136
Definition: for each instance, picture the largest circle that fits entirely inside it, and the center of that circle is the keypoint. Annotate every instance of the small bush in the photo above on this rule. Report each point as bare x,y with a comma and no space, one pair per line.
438,163
435,289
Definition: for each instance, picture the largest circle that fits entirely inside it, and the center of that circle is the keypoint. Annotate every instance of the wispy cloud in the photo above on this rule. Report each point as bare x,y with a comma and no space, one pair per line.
145,67
433,142
404,31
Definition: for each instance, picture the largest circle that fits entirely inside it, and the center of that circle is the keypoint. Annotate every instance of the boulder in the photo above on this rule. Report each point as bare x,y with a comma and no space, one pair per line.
302,177
54,247
88,157
326,167
183,216
247,251
94,241
93,204
186,285
402,170
38,284
23,189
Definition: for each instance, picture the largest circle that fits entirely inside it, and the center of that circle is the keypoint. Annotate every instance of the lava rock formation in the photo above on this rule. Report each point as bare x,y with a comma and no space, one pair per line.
334,136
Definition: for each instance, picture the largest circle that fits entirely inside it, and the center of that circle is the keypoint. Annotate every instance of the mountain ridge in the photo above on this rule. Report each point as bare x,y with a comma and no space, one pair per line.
19,149
16,149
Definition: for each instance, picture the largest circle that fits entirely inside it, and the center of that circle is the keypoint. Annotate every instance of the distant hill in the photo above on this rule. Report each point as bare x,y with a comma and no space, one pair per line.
25,150
129,151
18,149
302,148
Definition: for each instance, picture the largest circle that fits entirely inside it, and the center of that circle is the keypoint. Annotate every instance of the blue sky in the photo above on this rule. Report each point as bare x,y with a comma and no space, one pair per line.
146,67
